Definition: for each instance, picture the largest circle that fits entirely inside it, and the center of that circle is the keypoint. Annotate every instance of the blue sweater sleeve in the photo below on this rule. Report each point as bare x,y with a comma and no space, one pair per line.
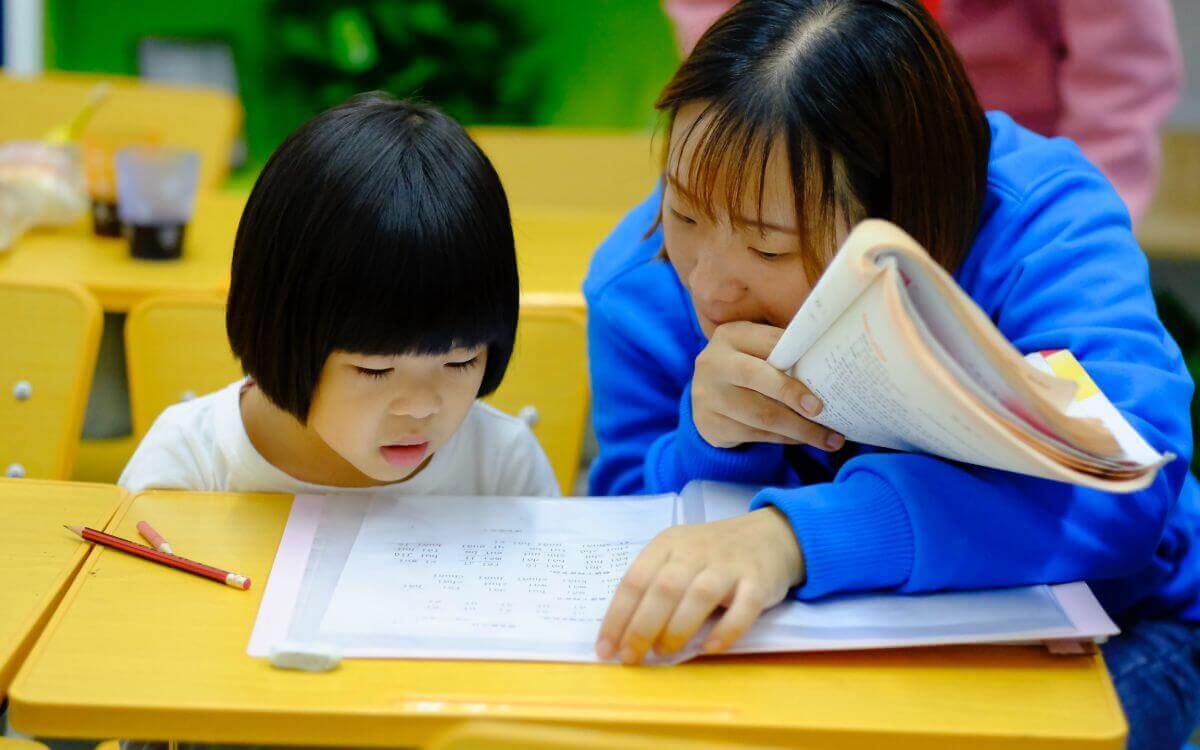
648,441
1057,267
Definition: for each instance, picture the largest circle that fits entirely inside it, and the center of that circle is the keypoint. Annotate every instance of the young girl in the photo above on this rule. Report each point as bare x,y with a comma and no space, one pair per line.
373,299
791,121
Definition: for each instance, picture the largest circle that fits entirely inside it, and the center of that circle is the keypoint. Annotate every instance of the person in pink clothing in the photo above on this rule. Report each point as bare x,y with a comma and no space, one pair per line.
1104,73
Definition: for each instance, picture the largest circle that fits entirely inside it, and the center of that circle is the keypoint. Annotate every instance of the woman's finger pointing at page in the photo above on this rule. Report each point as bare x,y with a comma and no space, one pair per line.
628,595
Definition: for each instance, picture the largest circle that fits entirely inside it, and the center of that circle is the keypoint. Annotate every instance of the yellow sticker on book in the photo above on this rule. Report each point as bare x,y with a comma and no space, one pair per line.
1065,366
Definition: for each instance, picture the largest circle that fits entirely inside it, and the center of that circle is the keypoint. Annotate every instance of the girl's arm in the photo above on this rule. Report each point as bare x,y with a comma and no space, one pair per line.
1063,272
1118,82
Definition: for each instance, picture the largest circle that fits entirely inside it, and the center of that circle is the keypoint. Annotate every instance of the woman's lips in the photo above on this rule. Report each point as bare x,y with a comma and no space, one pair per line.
403,456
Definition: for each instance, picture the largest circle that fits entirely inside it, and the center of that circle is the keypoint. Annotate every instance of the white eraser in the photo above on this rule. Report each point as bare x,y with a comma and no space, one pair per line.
309,657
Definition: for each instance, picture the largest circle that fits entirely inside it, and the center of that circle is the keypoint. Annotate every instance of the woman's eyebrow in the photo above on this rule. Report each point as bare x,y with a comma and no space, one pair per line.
743,220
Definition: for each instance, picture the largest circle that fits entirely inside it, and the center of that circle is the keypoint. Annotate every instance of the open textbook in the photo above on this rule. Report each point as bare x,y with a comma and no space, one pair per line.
531,578
902,358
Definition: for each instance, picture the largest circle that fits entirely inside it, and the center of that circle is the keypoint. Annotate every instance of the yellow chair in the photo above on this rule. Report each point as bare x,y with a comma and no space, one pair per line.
547,381
204,119
176,348
572,169
51,335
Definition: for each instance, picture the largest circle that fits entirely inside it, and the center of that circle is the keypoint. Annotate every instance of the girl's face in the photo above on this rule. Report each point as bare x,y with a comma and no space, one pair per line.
737,270
387,415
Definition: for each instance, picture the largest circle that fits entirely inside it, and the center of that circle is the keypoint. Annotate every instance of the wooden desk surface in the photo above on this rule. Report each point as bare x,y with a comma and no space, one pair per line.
38,557
104,266
136,650
554,246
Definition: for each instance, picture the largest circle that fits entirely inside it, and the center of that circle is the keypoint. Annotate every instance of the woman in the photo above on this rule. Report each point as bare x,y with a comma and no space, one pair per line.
789,122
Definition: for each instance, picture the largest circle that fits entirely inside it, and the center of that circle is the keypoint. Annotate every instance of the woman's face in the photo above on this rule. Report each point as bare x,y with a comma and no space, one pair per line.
737,270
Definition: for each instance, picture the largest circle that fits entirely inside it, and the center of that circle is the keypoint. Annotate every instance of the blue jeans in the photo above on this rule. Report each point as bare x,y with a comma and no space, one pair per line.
1155,667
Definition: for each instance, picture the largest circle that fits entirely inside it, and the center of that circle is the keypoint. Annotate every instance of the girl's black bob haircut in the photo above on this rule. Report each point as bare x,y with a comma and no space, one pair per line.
378,227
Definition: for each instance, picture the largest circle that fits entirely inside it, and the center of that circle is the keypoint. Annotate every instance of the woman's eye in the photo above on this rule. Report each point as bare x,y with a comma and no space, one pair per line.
464,365
370,373
767,256
681,217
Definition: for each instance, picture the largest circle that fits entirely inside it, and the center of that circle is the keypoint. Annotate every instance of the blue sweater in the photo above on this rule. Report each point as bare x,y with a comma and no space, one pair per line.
1055,265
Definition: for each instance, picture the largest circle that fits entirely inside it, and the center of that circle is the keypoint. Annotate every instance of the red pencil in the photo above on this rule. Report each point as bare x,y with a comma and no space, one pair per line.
174,561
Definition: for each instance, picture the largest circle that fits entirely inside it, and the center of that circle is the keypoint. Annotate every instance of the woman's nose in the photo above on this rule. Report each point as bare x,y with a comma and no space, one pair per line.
711,279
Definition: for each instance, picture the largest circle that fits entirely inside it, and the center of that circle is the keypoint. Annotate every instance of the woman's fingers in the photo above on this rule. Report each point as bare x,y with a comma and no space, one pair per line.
633,587
655,609
748,603
755,339
709,590
737,433
764,414
754,374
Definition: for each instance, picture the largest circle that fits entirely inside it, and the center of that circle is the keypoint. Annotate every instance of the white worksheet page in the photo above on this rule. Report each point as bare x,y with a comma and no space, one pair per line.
531,578
461,572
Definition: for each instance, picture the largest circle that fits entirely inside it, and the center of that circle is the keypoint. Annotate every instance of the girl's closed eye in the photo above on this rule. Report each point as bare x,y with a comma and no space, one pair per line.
374,373
464,364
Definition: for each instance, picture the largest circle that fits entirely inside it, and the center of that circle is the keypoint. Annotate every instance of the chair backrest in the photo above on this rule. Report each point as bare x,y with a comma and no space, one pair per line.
51,336
547,382
176,348
204,119
574,169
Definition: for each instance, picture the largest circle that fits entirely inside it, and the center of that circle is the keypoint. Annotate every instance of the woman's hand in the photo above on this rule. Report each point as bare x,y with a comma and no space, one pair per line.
738,398
745,564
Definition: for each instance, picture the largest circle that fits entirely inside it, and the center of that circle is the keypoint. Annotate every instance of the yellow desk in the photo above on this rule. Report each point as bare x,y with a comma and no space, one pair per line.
38,558
554,246
104,266
139,651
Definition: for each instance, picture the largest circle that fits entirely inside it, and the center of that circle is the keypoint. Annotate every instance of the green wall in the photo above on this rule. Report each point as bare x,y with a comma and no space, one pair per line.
590,63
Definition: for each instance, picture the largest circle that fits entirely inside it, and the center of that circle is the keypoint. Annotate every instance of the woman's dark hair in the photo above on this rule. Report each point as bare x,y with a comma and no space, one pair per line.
377,227
872,103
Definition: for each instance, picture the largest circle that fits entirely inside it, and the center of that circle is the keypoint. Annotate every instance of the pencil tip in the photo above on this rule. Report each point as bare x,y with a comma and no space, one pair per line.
74,529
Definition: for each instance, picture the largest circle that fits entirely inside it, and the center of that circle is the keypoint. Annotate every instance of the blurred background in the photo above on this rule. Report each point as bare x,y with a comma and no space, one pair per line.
559,94
513,62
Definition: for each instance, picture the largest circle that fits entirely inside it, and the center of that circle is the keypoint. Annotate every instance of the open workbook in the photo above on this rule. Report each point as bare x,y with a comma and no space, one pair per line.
531,578
902,358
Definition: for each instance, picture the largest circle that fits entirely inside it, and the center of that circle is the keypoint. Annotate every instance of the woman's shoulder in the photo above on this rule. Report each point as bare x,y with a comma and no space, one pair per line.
1028,171
631,248
1052,224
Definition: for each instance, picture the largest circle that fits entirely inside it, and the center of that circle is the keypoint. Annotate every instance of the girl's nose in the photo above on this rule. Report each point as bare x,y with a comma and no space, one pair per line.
418,401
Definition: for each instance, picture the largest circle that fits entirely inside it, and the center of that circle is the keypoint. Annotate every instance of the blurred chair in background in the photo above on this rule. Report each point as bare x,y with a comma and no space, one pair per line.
207,120
51,336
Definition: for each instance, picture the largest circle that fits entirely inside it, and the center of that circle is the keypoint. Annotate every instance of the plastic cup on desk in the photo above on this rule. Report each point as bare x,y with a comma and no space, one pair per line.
99,152
156,193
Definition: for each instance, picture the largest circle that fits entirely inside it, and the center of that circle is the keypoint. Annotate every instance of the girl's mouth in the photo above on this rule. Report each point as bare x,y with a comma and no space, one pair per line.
404,456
